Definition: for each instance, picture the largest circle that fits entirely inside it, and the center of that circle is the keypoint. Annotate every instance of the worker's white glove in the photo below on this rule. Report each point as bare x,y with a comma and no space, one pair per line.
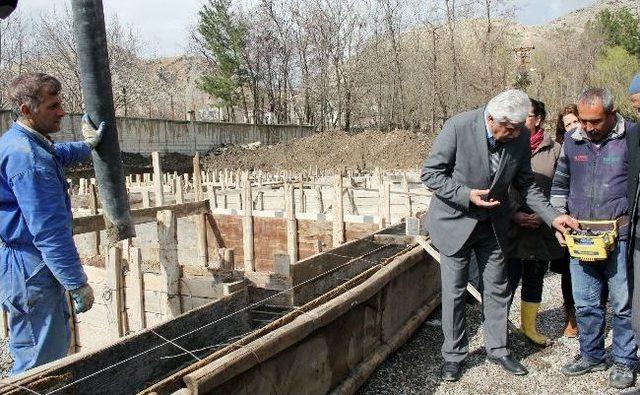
92,136
82,298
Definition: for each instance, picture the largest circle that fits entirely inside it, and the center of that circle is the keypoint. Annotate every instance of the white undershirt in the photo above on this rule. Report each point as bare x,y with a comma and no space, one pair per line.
35,132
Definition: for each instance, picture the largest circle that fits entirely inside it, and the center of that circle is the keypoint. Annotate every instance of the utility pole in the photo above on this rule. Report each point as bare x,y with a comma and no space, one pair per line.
95,76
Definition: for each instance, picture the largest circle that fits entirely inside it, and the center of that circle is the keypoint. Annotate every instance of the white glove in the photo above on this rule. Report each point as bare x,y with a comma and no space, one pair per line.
82,298
92,136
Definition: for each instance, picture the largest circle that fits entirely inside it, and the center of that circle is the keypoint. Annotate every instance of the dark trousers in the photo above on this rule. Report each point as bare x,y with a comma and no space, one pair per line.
561,266
635,302
454,271
532,274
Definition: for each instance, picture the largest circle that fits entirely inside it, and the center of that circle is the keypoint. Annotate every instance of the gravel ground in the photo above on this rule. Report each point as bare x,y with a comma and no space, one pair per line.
5,358
414,368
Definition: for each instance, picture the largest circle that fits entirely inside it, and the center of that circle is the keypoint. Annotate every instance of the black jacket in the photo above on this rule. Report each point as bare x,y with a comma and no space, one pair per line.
633,142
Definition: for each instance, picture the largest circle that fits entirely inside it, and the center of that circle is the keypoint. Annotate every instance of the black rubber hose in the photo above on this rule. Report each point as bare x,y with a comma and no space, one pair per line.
93,59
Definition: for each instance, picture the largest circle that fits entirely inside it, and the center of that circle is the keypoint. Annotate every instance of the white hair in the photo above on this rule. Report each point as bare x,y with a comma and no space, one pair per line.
509,106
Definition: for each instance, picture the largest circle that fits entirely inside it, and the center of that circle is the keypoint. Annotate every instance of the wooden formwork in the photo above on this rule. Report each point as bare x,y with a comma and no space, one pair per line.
332,341
313,240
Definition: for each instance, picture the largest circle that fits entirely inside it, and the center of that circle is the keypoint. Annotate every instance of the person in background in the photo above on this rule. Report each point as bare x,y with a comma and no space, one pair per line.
532,243
634,92
567,120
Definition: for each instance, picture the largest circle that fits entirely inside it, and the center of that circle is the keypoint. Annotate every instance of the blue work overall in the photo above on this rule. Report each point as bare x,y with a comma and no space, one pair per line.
38,258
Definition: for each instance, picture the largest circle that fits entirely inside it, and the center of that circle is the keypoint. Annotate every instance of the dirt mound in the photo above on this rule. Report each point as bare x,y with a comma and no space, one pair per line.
133,163
398,149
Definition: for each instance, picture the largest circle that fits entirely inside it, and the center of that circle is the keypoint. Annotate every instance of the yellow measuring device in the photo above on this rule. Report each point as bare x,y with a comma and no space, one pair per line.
593,241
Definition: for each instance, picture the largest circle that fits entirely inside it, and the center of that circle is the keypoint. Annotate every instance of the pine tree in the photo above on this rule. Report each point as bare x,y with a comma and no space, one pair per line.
224,38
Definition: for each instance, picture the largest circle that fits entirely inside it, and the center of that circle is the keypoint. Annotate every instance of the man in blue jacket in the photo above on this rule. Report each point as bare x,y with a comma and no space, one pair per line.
38,258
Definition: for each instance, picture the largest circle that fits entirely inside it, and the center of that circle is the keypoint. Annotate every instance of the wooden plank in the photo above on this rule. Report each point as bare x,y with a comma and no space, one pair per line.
179,195
408,201
387,202
247,226
200,220
157,179
381,199
338,212
197,178
211,194
292,223
4,326
146,198
113,269
135,296
169,267
94,238
303,201
94,223
73,341
214,241
319,200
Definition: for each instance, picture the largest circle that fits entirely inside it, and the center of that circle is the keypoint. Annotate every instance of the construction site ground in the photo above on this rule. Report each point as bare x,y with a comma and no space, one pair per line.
415,367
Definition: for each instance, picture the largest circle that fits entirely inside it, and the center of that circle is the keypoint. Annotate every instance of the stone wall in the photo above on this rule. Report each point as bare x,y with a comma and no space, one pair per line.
143,136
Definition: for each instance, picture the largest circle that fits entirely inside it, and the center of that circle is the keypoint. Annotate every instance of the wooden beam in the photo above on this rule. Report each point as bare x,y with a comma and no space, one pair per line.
92,223
386,204
405,189
214,253
211,194
157,179
247,226
292,223
93,208
197,177
179,191
201,219
113,268
135,301
146,199
338,212
169,267
73,342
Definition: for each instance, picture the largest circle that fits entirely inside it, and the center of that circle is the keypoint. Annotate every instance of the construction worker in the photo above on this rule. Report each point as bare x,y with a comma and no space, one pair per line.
591,184
38,258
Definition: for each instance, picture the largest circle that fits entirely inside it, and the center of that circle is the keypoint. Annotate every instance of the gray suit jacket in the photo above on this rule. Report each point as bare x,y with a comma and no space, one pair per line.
459,162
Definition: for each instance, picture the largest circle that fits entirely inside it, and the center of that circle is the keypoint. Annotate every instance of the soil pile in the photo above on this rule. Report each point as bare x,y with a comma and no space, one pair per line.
398,149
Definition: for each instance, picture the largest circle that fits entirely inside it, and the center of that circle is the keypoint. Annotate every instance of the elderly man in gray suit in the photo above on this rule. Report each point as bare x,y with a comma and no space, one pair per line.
475,158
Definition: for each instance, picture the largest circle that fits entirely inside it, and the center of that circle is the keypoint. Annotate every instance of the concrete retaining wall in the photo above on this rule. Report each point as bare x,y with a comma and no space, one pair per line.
143,136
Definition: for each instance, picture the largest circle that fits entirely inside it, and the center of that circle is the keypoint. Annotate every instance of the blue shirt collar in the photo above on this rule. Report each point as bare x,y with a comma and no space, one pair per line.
35,133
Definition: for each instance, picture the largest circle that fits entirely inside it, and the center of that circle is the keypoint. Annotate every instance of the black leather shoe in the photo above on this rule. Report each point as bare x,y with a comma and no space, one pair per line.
451,371
509,364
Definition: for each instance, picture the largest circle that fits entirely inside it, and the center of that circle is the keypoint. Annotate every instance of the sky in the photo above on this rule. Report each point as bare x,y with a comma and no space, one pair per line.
164,24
